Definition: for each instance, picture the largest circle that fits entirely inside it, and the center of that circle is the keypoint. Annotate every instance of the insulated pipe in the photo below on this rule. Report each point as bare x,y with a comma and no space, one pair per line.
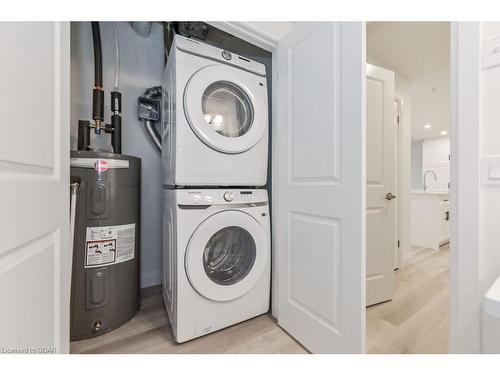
116,102
117,58
153,134
83,135
116,133
98,93
96,38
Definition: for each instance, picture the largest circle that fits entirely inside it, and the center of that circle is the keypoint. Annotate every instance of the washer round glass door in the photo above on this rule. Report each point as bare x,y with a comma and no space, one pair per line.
226,255
226,108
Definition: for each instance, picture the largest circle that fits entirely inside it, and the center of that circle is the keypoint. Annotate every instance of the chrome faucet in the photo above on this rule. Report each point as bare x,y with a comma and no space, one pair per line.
425,175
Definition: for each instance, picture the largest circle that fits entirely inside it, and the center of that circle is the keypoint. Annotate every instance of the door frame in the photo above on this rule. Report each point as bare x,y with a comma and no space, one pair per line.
464,166
465,294
397,171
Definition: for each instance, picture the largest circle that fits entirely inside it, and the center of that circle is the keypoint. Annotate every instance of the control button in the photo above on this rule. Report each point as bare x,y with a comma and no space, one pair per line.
227,55
228,196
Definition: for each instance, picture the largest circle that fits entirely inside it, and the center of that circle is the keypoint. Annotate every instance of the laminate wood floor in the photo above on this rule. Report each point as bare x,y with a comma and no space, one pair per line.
415,321
149,332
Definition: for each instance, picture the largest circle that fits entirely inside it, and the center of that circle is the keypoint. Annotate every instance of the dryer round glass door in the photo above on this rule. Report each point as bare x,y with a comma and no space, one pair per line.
226,255
227,108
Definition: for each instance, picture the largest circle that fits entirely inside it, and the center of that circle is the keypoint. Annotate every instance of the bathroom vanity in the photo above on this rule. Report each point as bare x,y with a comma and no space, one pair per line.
430,218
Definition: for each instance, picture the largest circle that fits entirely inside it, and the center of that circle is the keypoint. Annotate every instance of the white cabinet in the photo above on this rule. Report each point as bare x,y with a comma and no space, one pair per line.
436,157
430,226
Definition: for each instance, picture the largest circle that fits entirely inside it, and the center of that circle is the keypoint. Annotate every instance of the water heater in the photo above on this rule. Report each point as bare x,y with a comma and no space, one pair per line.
106,242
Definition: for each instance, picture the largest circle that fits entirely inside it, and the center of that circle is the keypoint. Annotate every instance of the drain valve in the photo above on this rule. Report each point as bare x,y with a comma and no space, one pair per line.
97,326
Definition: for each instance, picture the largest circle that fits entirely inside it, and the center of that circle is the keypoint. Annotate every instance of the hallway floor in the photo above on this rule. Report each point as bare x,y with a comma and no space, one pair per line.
416,320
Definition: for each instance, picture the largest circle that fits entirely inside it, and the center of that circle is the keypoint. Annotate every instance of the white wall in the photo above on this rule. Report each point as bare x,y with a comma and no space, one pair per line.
142,62
475,259
430,94
436,157
420,52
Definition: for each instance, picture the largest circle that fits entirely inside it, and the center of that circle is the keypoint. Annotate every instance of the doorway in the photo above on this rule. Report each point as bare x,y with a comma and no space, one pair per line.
410,235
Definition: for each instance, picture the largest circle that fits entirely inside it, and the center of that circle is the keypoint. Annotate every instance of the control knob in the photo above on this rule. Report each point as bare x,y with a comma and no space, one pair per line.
228,196
227,55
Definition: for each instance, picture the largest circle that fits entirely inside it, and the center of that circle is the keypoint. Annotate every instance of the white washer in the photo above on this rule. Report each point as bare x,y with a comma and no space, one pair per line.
216,260
215,117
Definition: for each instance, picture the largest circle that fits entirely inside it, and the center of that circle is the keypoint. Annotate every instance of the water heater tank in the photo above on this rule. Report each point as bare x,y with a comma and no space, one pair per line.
105,279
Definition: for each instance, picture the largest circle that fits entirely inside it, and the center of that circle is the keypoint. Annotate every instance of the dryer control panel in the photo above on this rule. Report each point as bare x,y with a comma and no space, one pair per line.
203,197
204,50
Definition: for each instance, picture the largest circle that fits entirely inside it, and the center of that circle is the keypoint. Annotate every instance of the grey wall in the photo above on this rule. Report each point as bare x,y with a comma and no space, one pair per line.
142,62
416,164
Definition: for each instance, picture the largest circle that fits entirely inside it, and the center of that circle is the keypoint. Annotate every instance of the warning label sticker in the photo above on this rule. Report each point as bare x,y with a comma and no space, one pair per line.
109,245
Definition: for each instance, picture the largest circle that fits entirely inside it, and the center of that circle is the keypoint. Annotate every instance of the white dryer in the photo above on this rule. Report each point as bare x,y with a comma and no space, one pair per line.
215,117
216,260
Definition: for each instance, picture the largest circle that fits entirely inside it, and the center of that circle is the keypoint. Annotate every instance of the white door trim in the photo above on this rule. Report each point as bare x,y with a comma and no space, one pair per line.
398,191
465,295
274,190
249,33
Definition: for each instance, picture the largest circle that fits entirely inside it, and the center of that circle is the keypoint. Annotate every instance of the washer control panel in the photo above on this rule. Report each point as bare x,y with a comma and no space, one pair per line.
204,197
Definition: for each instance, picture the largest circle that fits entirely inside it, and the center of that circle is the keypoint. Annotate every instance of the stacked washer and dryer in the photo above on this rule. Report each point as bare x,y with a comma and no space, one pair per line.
216,218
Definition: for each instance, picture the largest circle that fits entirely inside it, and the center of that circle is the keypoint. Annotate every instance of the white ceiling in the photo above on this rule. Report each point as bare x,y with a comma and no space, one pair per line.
420,52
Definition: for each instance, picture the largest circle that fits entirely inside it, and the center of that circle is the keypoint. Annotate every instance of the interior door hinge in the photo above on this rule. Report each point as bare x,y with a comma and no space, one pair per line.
399,244
398,119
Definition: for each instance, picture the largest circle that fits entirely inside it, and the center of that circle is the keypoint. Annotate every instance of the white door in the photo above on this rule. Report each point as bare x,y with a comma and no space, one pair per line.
35,256
381,236
319,197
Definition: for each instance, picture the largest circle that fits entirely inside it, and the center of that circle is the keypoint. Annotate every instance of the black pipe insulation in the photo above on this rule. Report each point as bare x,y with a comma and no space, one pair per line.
116,121
83,135
98,105
96,37
98,93
115,128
